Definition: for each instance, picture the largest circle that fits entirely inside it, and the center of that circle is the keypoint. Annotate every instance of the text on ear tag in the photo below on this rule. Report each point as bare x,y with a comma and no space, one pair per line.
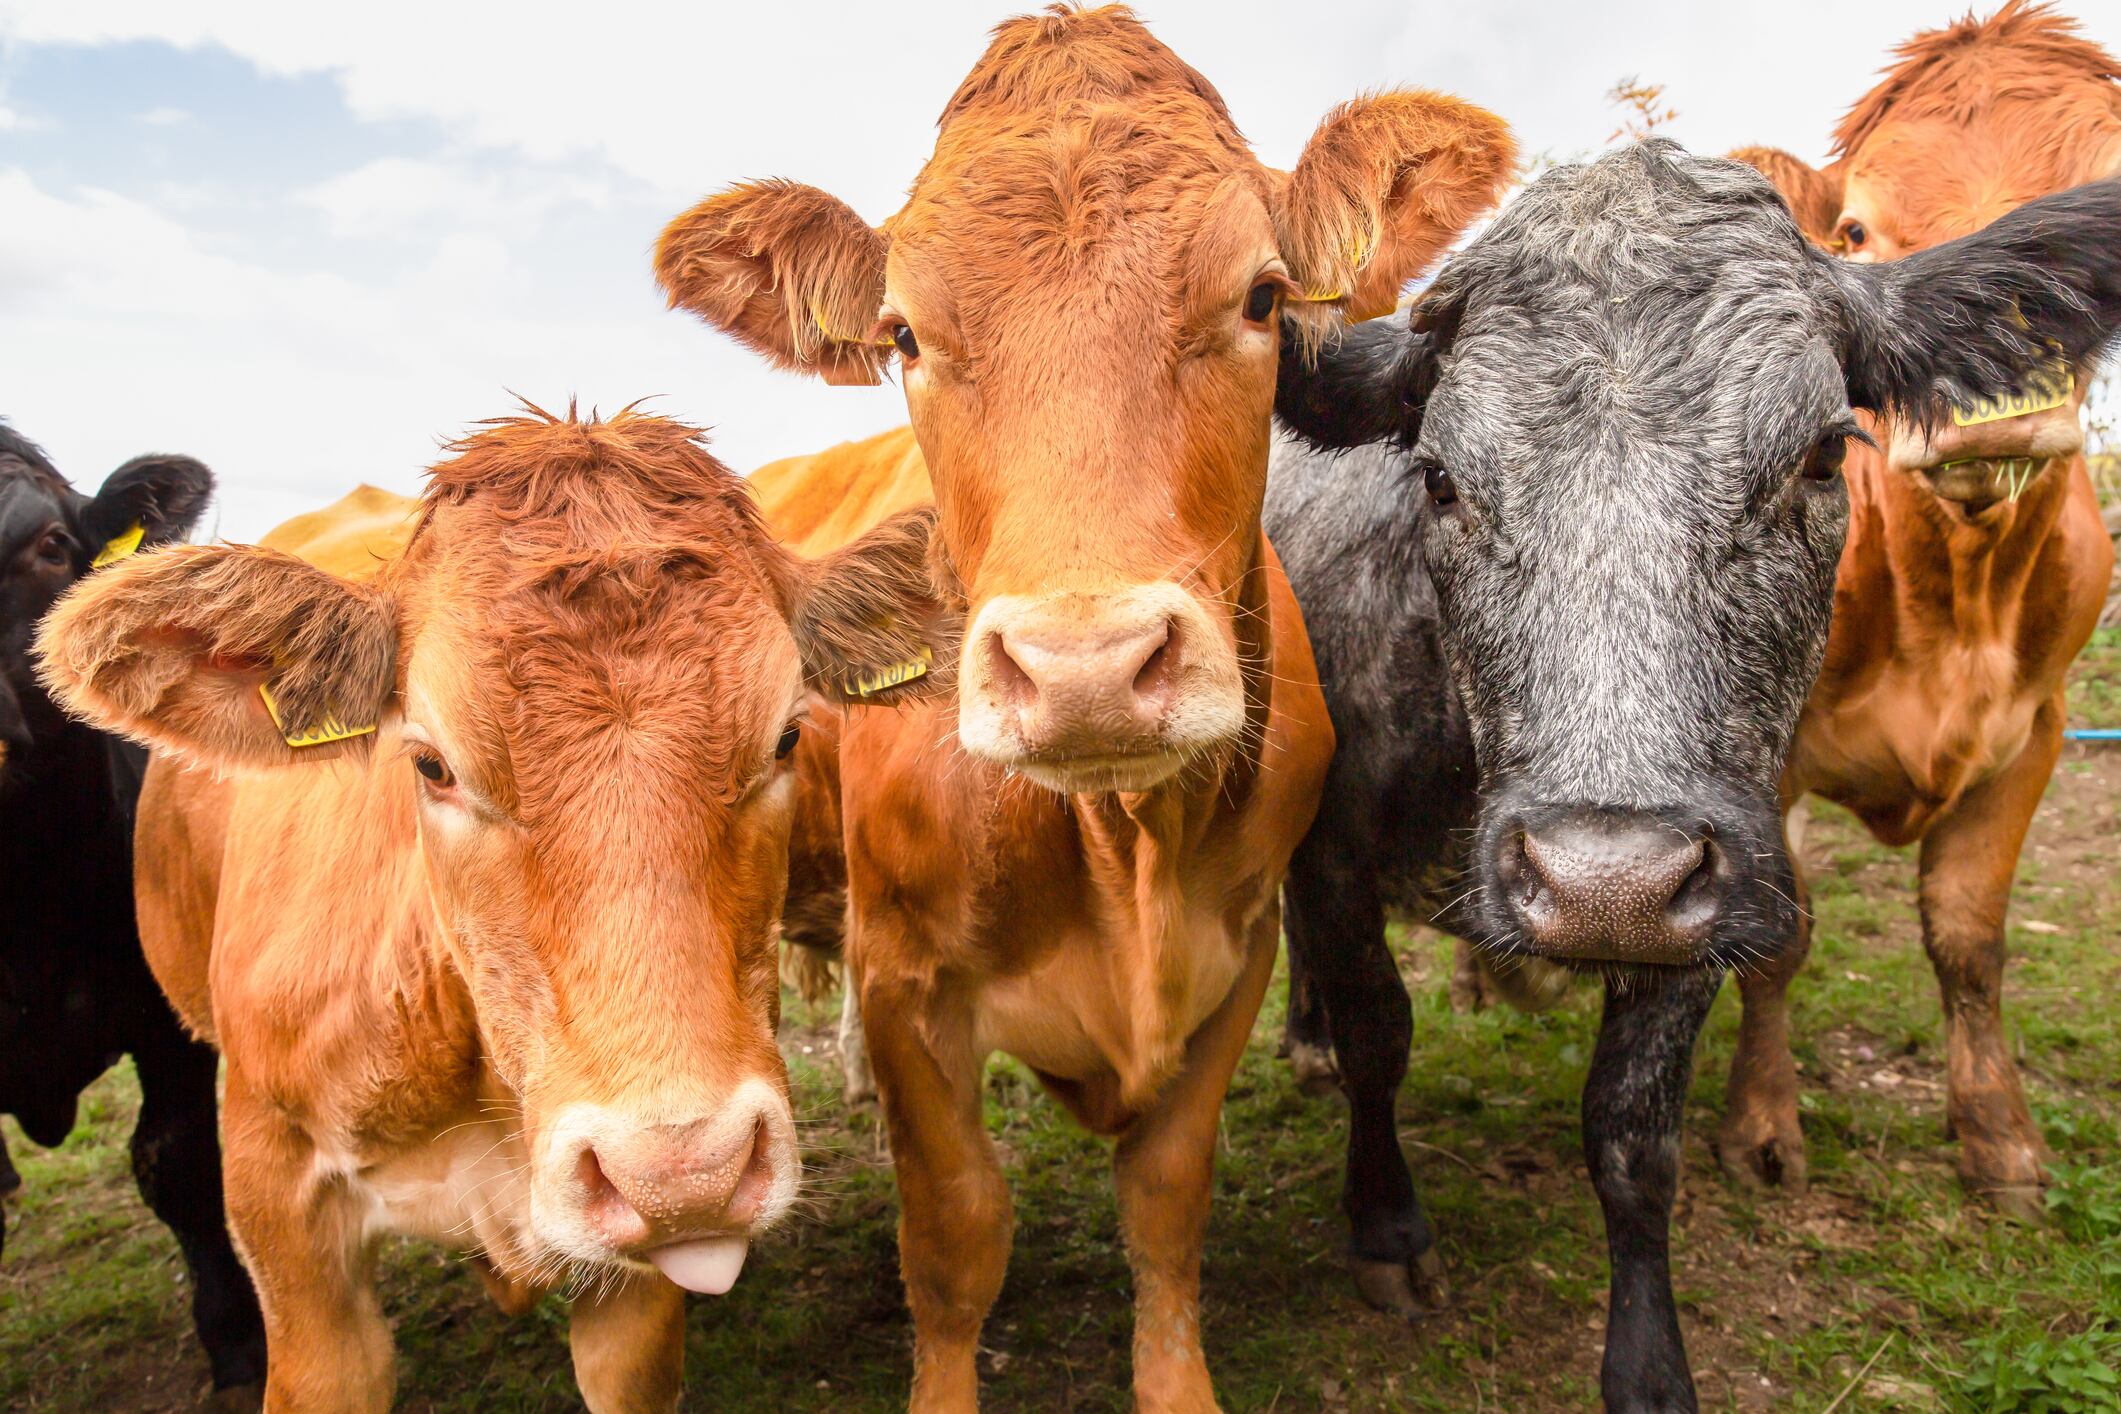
883,679
329,730
120,546
2050,388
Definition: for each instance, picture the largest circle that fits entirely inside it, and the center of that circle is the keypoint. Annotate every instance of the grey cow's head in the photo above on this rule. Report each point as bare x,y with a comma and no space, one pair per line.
1624,409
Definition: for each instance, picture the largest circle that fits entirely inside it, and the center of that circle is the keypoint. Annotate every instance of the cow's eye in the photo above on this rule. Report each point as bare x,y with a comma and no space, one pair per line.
1259,304
789,738
1436,479
54,549
433,770
1823,462
1853,235
908,346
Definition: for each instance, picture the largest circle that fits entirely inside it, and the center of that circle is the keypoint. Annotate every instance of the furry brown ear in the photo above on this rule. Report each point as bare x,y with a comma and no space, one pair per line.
1383,187
786,269
1813,193
873,621
171,648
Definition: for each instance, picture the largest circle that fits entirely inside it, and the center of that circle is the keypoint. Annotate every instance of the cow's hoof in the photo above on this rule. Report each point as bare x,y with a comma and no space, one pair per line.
1317,1073
236,1399
1764,1160
1409,1290
2018,1202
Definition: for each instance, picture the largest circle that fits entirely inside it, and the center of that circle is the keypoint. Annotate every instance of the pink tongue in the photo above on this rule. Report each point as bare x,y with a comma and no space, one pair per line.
708,1265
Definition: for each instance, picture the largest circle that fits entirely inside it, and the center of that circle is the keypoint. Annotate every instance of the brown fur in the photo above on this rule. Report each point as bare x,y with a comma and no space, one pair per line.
1938,713
1091,418
409,983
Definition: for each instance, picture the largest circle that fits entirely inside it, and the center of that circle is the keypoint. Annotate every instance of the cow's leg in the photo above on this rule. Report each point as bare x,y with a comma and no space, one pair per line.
9,1179
1632,1106
1165,1166
1337,919
628,1343
1306,1037
859,1080
954,1210
1760,1140
327,1343
177,1163
1968,860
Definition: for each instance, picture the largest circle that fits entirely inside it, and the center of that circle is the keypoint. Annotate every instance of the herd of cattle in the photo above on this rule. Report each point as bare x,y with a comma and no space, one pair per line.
1689,487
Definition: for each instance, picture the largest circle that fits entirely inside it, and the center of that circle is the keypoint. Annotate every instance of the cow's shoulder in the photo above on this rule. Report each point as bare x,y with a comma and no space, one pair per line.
822,501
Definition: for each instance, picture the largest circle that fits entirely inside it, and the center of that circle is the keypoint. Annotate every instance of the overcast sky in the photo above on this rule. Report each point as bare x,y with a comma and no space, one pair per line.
306,242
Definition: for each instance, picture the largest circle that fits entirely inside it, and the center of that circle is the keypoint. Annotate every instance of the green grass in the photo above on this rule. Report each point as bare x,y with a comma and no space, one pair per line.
1785,1300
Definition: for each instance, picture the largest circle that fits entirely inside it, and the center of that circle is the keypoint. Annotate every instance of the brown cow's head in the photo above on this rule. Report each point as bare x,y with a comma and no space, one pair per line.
578,689
1084,293
1975,120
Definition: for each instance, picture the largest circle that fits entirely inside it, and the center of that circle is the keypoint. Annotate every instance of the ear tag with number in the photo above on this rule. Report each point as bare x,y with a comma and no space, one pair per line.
2050,388
120,547
329,730
898,674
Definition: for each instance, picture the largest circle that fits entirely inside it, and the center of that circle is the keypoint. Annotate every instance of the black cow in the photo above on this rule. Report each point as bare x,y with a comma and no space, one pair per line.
75,992
1567,601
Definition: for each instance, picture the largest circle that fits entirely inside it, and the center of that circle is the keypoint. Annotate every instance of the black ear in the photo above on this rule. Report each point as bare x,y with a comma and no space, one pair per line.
1974,318
163,495
1367,384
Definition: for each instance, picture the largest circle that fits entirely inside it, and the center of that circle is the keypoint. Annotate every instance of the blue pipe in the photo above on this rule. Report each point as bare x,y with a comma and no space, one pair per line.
2092,734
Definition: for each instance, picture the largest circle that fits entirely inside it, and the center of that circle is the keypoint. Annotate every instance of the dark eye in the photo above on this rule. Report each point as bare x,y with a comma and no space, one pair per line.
908,346
434,770
1823,462
1259,304
788,740
1436,479
1853,234
53,549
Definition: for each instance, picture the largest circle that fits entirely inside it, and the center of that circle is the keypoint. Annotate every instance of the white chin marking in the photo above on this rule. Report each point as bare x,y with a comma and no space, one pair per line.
708,1265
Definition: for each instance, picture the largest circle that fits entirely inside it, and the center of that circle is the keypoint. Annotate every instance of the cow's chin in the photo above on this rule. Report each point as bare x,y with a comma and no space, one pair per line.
1092,775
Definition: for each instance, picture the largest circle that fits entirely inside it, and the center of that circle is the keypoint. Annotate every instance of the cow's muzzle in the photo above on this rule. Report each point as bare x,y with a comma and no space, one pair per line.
1098,691
1977,465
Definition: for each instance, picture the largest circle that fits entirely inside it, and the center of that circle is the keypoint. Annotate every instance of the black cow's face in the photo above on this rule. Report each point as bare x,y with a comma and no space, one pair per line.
1622,409
51,535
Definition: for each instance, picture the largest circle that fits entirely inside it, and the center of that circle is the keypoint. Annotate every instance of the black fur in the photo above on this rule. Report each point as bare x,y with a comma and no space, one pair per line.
75,992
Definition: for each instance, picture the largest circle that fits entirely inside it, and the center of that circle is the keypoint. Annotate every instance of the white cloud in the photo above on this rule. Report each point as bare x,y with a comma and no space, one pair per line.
399,198
165,117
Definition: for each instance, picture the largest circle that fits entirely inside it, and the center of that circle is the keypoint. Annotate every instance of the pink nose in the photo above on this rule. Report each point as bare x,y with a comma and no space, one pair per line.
1085,687
669,1183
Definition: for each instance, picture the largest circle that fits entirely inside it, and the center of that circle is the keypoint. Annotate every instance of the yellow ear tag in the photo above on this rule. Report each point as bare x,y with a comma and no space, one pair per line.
883,679
119,547
331,729
2050,388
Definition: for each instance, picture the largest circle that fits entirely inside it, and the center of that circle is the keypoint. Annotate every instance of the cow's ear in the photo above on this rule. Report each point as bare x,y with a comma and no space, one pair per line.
879,620
1368,383
228,655
1977,317
1383,187
1813,194
788,271
149,501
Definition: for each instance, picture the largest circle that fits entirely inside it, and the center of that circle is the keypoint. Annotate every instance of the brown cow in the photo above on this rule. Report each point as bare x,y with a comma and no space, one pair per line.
1076,860
1973,574
476,891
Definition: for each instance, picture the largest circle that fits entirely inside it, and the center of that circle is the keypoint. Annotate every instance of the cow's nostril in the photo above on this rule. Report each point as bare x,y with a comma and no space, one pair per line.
1698,900
756,1181
616,1219
1153,678
1010,682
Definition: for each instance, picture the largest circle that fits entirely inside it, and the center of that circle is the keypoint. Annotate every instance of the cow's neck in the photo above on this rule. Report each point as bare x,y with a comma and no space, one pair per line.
1965,579
1137,843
